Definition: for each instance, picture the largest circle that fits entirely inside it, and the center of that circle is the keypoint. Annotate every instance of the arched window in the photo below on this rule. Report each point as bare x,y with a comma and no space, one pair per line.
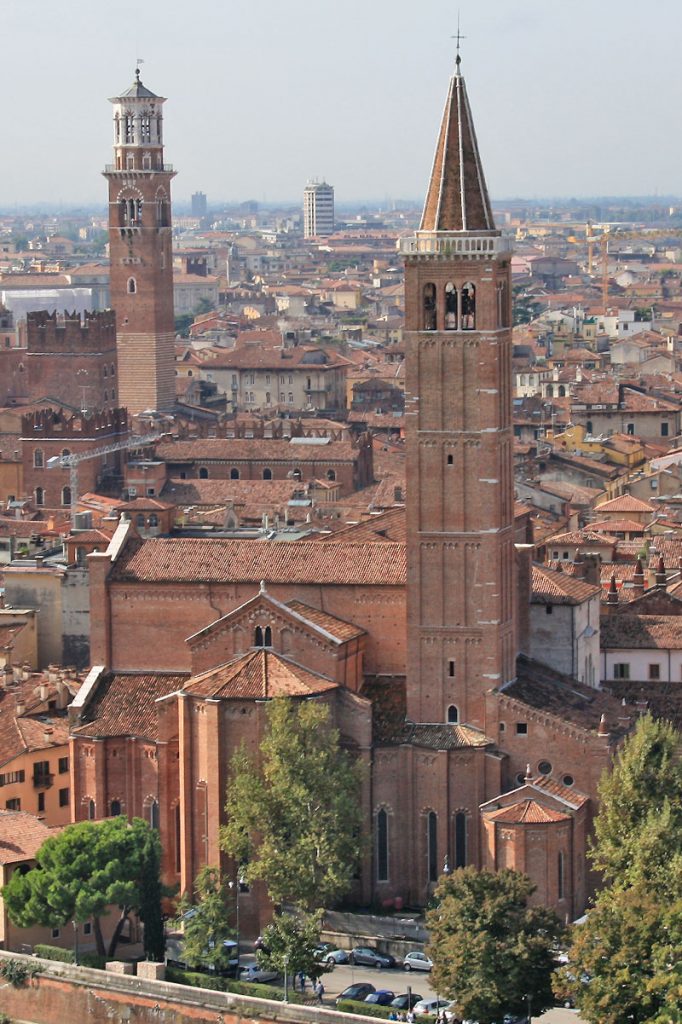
92,810
178,839
115,808
38,458
203,473
105,372
382,846
560,875
129,212
267,474
588,426
234,474
132,286
153,519
65,452
469,307
550,391
460,840
450,307
66,495
267,638
562,391
139,519
429,307
258,637
40,496
296,474
453,714
432,842
331,474
106,395
153,813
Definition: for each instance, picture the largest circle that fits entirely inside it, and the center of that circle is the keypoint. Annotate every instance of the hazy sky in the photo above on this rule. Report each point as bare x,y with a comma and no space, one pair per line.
570,97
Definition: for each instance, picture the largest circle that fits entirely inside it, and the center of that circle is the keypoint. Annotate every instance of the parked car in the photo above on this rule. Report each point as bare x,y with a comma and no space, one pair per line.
415,960
370,957
356,992
175,957
328,953
382,996
255,973
434,1007
406,1001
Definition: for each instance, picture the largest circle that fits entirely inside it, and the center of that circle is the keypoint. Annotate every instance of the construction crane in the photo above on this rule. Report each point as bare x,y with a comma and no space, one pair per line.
72,462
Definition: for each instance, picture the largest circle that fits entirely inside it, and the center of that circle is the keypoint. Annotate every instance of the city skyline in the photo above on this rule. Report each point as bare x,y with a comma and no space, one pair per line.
257,109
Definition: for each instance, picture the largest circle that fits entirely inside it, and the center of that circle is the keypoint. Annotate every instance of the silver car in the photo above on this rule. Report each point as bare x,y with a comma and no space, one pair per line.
417,961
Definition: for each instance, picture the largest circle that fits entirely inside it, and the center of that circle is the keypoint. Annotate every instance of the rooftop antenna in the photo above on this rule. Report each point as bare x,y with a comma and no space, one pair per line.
458,37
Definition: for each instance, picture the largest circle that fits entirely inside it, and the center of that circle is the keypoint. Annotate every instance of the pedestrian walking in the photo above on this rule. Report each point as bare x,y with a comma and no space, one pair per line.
319,991
301,980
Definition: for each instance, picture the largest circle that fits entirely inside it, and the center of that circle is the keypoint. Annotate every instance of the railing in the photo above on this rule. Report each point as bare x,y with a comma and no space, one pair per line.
112,168
441,243
43,780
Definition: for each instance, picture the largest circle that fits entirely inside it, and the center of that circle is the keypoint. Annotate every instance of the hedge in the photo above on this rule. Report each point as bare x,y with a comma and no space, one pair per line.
376,1010
66,956
243,988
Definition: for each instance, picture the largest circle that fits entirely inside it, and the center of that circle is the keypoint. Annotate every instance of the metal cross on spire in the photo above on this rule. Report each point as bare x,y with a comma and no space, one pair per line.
458,37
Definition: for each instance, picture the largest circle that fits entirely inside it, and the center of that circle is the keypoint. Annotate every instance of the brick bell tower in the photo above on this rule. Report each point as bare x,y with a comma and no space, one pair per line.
140,242
459,437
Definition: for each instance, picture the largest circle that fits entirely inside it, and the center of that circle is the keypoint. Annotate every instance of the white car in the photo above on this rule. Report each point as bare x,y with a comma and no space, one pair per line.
417,961
433,1007
252,972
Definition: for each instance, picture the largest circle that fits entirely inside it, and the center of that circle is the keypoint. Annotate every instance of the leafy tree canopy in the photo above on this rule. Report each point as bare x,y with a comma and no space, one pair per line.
491,951
293,819
209,921
84,870
290,942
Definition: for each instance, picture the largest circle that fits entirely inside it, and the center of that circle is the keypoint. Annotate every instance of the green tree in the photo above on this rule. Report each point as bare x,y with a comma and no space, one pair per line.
83,871
290,942
209,921
627,952
293,819
491,951
639,825
183,322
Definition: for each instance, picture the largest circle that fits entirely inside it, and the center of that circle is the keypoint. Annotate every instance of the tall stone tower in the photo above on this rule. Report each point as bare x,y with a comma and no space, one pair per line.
141,252
459,437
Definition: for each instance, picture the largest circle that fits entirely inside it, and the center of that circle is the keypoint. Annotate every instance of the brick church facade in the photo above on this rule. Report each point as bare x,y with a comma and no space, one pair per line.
475,753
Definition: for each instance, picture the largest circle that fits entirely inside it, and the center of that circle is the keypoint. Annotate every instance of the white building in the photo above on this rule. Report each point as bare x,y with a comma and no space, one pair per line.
318,210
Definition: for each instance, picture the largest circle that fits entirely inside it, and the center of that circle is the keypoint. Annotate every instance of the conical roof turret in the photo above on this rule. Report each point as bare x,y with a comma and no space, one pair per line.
457,197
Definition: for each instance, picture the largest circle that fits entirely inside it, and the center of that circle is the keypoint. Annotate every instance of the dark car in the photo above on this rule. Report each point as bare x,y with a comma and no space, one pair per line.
382,996
370,957
406,1001
356,992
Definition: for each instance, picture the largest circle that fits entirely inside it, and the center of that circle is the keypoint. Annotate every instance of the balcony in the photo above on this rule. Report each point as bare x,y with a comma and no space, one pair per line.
455,243
43,780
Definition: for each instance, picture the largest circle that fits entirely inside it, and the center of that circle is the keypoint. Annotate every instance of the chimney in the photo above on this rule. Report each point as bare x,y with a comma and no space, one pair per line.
48,733
21,705
660,577
43,691
25,671
612,596
638,577
579,564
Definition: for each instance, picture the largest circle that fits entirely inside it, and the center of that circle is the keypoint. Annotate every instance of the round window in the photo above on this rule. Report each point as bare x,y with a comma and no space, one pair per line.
545,768
568,780
520,779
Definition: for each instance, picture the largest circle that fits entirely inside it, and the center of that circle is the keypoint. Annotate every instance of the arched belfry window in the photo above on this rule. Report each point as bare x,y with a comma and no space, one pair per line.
129,212
450,307
267,637
162,210
258,637
432,843
429,307
453,714
469,307
132,286
382,846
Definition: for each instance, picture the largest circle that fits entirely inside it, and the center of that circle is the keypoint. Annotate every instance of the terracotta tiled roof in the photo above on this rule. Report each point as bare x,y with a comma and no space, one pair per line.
337,627
21,836
550,785
617,526
527,812
443,736
389,525
218,492
576,537
237,449
552,694
258,674
174,559
123,705
143,503
623,504
663,632
551,587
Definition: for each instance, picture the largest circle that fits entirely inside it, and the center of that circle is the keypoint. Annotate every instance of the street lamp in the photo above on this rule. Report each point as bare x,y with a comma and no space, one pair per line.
286,977
529,1001
237,888
75,942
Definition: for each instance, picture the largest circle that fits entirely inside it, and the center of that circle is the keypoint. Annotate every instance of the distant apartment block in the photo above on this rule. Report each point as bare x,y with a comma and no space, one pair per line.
199,204
318,209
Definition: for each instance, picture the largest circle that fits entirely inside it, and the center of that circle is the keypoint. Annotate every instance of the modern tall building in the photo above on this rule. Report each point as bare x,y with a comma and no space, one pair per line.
318,209
199,204
141,252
